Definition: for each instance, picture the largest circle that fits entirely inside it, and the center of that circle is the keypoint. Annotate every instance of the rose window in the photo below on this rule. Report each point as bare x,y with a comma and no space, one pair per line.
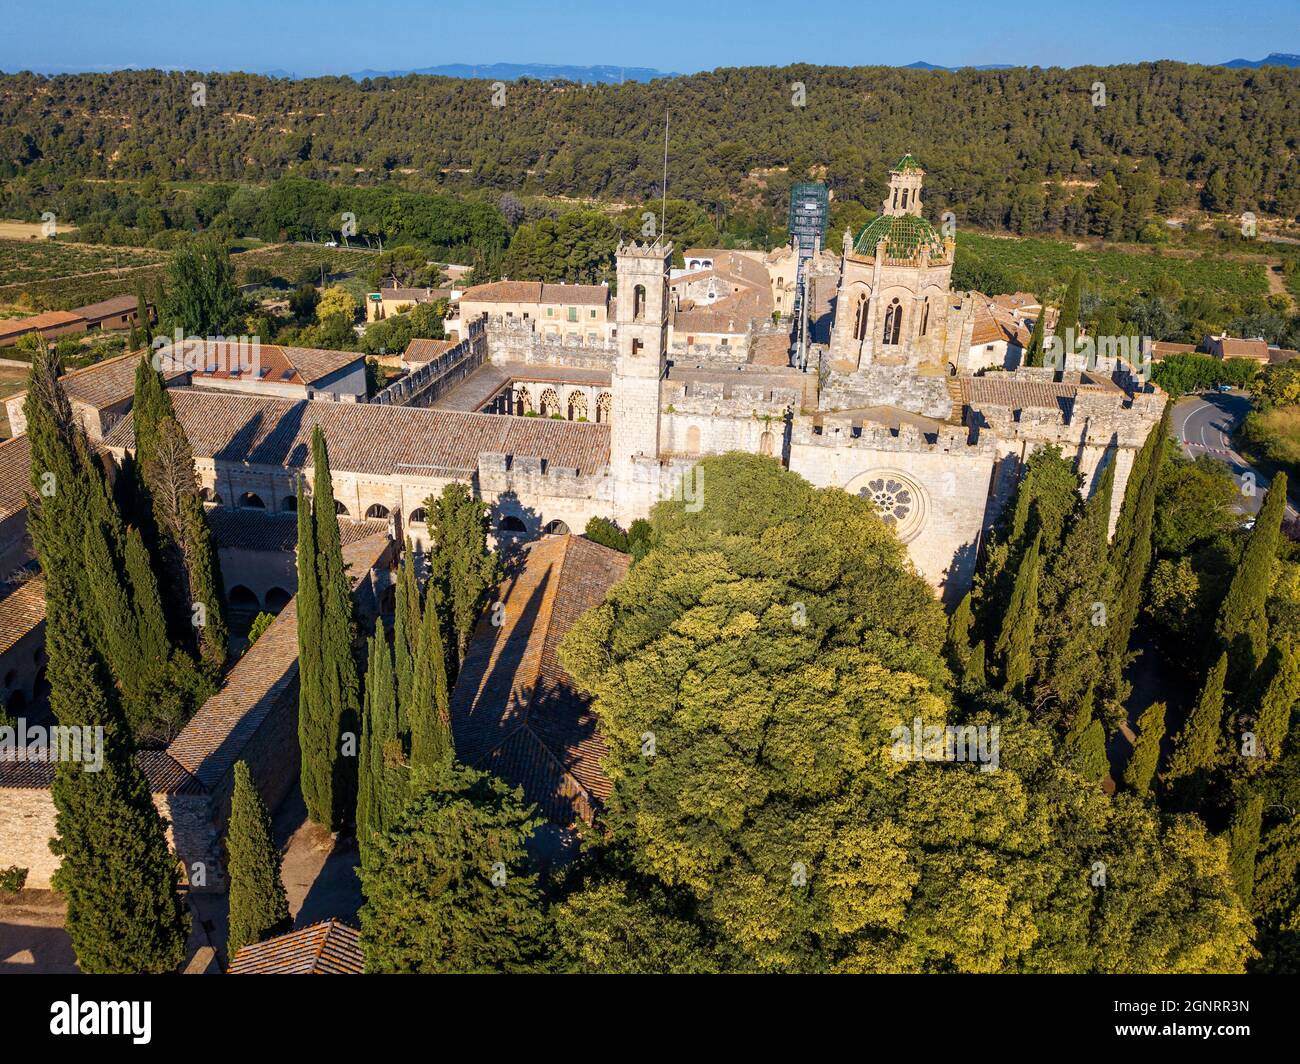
892,498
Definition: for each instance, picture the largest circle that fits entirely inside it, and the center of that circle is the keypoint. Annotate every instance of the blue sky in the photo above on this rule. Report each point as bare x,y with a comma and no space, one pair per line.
340,36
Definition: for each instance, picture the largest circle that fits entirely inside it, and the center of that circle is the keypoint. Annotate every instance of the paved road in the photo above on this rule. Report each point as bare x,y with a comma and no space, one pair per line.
1204,425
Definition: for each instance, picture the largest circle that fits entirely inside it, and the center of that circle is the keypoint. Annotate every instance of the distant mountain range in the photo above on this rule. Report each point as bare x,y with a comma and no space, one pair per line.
1276,59
591,75
613,75
921,64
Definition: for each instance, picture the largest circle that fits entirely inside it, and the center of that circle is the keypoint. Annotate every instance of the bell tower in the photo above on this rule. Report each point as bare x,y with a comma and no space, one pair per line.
904,188
641,312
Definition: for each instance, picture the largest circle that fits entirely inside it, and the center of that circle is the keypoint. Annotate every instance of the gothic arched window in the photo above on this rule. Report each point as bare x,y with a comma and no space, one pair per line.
893,323
860,322
638,302
904,199
925,317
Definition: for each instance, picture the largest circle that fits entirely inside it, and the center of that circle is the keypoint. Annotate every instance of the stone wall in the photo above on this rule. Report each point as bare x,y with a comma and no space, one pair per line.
426,384
877,385
945,476
514,340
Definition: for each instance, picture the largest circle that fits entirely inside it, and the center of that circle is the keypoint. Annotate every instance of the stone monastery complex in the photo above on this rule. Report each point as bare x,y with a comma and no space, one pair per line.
556,404
563,402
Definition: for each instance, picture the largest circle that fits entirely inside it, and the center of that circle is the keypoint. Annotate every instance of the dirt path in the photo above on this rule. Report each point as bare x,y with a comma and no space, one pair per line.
1276,283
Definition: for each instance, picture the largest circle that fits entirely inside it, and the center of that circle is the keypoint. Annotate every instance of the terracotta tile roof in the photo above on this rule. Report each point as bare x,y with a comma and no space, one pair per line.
1232,347
330,947
268,362
1163,349
1017,301
426,350
108,308
244,528
536,292
216,735
515,711
161,770
415,295
108,382
315,363
15,475
48,319
371,438
1000,389
22,609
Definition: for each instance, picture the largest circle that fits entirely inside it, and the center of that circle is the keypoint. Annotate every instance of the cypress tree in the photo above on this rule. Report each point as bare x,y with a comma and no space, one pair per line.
406,632
149,406
1197,748
1280,694
338,688
152,628
957,647
431,741
1242,626
185,544
1034,352
315,743
1243,844
259,906
1068,319
1141,768
61,472
381,790
1045,501
1131,555
205,584
1071,622
460,564
124,912
433,902
142,310
1015,643
975,669
1088,750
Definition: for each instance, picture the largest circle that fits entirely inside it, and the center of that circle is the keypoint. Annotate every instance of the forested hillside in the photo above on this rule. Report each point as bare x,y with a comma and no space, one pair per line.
1024,149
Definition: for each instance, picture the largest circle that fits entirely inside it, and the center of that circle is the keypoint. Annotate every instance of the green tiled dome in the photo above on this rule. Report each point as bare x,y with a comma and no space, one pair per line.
907,163
905,233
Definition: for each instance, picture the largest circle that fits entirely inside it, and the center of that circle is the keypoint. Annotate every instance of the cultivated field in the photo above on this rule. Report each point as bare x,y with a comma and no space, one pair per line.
1039,265
30,230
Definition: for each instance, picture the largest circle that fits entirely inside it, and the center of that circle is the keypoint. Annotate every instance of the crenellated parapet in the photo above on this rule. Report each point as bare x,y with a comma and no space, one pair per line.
530,477
846,433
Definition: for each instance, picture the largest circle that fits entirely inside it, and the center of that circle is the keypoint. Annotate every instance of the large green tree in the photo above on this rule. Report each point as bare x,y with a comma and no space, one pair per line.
448,887
202,299
761,771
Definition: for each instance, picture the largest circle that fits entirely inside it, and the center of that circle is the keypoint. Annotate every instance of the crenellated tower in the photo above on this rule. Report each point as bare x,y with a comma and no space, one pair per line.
641,313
